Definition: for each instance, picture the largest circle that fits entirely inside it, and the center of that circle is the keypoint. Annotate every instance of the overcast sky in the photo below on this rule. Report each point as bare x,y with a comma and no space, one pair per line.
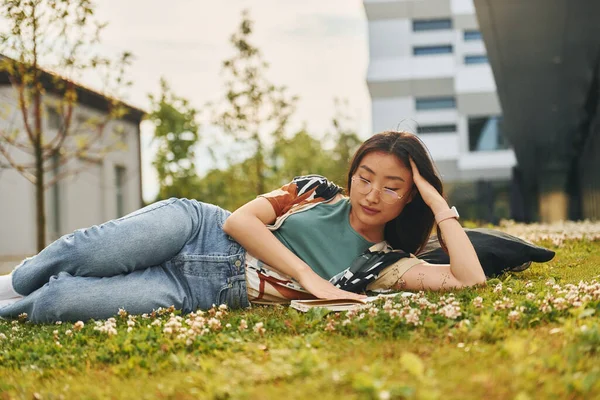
317,48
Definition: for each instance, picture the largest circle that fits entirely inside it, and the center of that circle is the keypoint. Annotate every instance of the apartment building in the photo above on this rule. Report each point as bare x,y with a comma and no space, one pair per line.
429,73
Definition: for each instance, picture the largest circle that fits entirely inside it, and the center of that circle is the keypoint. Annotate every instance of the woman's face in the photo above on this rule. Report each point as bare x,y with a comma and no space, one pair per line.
383,171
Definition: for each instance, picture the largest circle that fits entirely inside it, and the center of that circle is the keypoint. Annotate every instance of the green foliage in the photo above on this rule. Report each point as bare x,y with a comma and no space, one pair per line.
276,352
176,133
254,111
254,114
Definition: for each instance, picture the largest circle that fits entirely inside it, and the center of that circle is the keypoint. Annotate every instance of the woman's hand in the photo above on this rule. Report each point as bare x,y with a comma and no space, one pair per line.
430,195
323,289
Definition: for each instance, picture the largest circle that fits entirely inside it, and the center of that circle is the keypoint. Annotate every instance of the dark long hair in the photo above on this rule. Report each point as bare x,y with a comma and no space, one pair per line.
410,230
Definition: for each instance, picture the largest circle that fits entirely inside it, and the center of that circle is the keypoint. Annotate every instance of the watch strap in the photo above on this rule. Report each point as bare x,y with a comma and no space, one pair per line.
447,214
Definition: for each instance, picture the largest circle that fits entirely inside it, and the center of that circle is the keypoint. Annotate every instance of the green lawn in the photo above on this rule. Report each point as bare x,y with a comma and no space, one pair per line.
531,335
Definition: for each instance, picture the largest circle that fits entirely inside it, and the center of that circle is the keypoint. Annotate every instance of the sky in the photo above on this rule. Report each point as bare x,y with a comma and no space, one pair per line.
317,48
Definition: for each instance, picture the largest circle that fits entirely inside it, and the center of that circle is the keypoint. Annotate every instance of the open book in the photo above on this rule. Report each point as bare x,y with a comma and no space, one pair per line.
342,304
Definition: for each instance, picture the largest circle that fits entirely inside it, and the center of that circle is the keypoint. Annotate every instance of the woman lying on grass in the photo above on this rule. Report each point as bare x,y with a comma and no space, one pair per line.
192,255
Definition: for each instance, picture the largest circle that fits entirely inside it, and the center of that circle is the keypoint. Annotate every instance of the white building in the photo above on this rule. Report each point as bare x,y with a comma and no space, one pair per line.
103,189
428,73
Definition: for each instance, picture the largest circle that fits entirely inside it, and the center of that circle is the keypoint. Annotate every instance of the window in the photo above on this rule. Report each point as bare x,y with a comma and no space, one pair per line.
435,103
476,59
472,35
431,24
120,189
54,118
450,128
429,50
486,134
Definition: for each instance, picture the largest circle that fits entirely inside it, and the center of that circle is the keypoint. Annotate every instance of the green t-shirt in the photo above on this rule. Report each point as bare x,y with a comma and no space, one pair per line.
323,238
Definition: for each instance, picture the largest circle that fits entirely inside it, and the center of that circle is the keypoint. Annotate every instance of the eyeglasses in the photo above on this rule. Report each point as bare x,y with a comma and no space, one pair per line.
363,186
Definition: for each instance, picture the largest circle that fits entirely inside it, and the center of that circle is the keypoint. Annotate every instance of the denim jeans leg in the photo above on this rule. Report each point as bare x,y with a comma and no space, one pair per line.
199,266
144,238
212,263
72,298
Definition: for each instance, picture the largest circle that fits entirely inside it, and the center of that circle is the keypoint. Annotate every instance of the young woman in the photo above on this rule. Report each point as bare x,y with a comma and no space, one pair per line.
284,244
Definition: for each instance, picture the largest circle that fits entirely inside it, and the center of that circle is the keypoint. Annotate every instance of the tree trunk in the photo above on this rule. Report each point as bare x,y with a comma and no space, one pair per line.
40,200
260,179
39,174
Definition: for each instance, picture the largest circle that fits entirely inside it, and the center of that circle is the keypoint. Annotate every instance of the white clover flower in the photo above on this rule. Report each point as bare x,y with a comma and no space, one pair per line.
258,328
412,317
560,303
373,311
388,305
464,323
450,311
243,325
330,327
498,288
129,329
130,323
384,395
530,296
478,302
77,326
122,313
223,307
214,324
2,336
514,316
546,308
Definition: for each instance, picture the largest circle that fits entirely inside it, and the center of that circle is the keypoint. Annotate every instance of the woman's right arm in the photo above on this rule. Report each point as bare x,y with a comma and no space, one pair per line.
247,226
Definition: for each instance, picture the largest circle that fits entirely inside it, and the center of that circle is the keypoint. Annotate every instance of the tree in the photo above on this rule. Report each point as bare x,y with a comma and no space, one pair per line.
254,112
301,154
345,143
61,35
176,132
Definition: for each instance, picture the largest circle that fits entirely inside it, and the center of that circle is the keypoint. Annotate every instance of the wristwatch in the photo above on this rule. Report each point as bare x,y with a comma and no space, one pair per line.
444,215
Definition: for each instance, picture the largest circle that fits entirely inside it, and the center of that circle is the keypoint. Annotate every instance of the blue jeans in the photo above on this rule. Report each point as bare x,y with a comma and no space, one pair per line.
173,252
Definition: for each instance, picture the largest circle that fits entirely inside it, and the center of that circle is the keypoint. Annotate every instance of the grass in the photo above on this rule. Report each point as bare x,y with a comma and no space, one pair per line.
512,339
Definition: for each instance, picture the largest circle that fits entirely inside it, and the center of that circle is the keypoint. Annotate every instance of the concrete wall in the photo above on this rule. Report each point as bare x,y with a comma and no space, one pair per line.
86,198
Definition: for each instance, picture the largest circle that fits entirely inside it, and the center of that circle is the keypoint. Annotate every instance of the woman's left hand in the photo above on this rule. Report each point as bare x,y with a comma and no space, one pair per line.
430,195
